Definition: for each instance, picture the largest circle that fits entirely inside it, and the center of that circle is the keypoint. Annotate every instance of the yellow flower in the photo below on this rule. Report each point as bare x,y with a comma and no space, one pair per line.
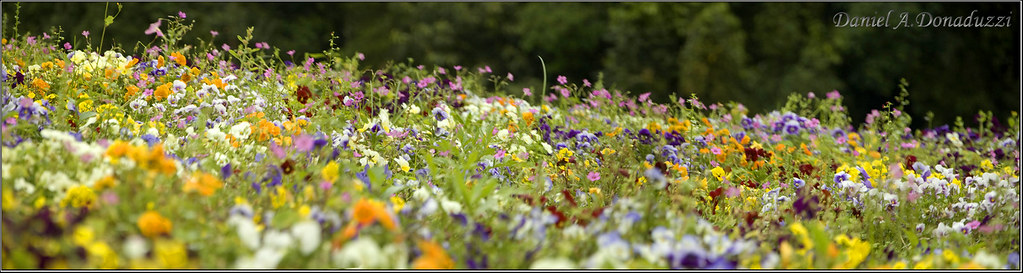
171,254
434,257
986,165
85,106
83,235
398,203
857,250
79,196
718,173
565,153
153,224
104,183
330,172
799,230
8,200
103,255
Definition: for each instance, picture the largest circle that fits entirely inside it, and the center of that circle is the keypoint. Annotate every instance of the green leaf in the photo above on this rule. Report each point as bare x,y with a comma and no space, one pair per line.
284,218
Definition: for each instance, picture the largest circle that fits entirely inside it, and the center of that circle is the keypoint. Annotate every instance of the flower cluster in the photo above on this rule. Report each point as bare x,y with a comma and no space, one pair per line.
226,157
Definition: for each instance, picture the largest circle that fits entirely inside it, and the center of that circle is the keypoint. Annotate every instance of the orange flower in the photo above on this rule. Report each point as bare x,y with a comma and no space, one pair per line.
528,117
178,58
153,224
366,211
206,184
163,91
132,90
433,257
118,149
40,84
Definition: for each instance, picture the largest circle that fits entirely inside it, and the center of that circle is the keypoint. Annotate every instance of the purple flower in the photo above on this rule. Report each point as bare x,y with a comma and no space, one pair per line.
225,172
181,14
593,176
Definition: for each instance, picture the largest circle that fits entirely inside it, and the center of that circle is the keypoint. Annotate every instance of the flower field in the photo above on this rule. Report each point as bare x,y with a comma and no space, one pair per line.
245,155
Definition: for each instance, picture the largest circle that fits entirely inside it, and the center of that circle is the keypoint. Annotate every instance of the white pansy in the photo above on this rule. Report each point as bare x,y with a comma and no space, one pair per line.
308,235
246,229
135,247
241,130
361,253
553,263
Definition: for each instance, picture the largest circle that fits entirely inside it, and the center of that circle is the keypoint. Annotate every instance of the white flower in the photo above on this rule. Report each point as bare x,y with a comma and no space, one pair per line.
21,185
987,260
135,247
308,234
277,240
264,258
246,229
503,134
554,263
361,253
241,130
215,134
178,86
450,206
547,148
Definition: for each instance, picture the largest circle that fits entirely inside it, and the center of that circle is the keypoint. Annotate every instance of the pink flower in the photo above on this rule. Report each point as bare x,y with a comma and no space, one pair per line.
304,143
896,113
593,176
67,46
362,57
834,94
291,52
155,28
499,155
643,97
511,77
214,33
442,71
45,36
562,79
276,150
565,92
527,91
458,68
225,47
181,14
85,33
811,95
732,192
586,83
487,68
715,150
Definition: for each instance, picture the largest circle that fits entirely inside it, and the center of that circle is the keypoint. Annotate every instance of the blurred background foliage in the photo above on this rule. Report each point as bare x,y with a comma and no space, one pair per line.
753,53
